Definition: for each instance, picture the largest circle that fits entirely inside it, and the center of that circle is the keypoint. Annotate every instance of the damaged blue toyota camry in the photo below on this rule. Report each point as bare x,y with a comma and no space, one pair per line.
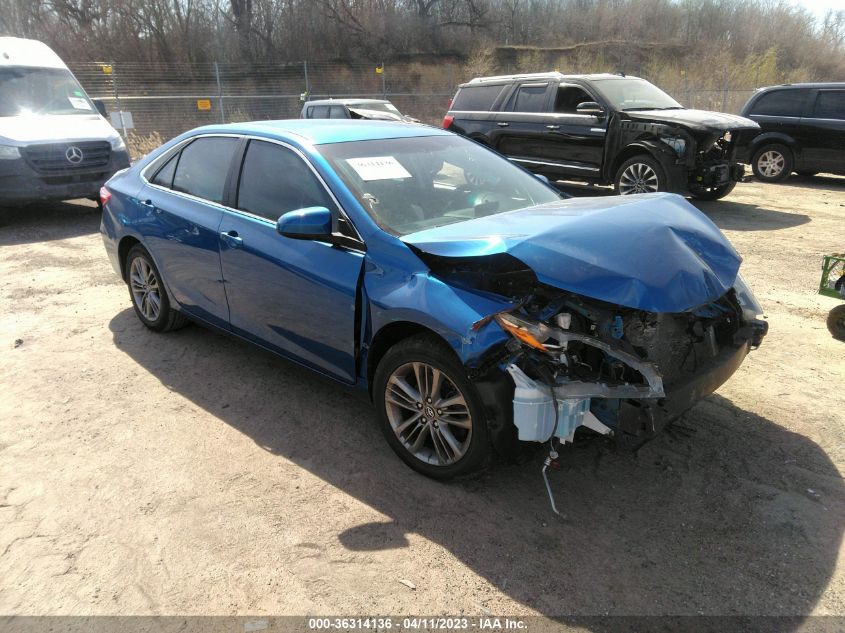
475,305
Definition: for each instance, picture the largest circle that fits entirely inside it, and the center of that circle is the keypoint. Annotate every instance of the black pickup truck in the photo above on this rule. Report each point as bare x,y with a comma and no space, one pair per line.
606,129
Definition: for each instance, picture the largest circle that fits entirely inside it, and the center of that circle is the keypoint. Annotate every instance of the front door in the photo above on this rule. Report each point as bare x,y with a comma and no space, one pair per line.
297,297
575,141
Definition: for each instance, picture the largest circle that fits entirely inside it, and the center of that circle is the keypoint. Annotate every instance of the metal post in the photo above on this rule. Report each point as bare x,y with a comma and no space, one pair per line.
117,97
307,84
383,82
219,93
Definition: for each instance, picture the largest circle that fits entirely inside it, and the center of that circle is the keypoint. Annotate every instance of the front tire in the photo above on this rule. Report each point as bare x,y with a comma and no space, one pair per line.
429,411
836,322
712,193
772,163
640,174
149,297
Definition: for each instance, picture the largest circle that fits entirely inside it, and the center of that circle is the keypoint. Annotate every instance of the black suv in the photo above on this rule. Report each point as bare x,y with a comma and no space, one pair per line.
803,130
604,129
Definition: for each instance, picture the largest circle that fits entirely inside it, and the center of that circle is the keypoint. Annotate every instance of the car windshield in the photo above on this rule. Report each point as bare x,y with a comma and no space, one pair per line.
635,94
382,106
412,184
26,91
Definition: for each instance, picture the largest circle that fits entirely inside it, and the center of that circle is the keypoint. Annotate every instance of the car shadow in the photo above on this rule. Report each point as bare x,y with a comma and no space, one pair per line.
819,181
48,221
741,216
727,513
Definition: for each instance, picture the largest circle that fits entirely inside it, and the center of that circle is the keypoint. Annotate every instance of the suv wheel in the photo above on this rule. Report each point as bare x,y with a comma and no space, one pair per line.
772,163
429,411
711,193
836,322
640,174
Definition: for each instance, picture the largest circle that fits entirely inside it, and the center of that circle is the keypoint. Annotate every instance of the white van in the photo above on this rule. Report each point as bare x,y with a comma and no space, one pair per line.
54,142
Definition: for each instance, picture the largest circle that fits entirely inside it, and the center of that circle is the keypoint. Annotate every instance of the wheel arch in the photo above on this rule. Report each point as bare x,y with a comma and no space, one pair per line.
123,248
649,148
388,336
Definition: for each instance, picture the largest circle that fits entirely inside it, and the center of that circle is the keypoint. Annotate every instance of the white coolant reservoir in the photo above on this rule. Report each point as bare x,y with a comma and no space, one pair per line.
534,413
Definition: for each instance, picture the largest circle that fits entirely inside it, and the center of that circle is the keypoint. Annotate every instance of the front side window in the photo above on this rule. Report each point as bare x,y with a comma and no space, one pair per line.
630,94
203,167
39,91
530,98
781,103
830,104
568,98
275,180
412,184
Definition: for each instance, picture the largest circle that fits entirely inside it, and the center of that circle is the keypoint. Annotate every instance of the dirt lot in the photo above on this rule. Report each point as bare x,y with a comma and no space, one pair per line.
192,474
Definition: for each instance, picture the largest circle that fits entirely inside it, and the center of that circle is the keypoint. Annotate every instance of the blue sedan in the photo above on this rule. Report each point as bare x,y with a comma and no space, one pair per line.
474,305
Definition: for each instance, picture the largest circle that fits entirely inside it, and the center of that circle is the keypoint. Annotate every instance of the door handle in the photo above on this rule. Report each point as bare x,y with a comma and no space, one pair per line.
552,127
148,204
232,239
503,124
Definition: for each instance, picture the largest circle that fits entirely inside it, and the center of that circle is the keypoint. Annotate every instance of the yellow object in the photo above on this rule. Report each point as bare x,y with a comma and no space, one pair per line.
379,70
204,104
107,69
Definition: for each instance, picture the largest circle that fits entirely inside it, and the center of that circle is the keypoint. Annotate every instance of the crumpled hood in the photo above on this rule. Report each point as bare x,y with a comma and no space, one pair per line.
654,252
696,120
376,115
55,128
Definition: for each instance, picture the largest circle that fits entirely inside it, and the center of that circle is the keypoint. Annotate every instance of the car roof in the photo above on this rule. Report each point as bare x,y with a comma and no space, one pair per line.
325,131
550,75
817,84
344,101
16,51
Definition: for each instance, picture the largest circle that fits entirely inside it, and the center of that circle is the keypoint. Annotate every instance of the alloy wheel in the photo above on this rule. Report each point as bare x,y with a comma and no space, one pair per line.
638,178
771,163
428,413
145,289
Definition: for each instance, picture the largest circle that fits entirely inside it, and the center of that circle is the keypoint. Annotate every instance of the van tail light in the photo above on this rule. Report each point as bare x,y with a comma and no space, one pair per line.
105,196
447,121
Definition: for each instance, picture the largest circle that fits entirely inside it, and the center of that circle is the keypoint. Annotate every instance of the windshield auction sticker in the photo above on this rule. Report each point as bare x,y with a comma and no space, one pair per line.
378,168
78,103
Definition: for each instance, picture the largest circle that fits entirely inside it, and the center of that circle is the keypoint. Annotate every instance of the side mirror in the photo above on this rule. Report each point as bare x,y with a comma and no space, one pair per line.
310,223
590,107
542,178
101,107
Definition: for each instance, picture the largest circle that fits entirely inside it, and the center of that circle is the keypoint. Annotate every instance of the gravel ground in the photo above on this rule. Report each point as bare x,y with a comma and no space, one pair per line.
189,473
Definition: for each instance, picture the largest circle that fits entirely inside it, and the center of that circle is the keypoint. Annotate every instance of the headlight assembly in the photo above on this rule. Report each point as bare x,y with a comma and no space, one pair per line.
751,309
117,144
526,332
9,152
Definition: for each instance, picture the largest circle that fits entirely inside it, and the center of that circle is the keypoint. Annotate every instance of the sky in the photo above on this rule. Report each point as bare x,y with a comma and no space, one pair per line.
819,7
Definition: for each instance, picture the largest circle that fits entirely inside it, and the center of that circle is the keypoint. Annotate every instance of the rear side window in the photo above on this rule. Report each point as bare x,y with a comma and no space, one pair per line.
781,103
830,104
203,167
529,98
164,177
274,180
337,112
477,98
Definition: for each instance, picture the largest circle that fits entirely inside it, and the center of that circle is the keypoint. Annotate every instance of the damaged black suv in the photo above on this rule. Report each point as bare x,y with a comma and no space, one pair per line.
606,129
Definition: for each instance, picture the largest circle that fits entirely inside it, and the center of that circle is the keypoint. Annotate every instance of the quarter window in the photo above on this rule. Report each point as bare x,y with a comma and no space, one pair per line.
274,180
164,177
781,103
476,98
203,167
530,98
830,104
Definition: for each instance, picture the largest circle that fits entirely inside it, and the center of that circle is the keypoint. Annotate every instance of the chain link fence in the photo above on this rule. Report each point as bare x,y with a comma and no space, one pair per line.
165,100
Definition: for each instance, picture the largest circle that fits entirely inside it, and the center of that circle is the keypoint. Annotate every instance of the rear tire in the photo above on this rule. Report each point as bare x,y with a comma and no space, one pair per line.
712,193
836,322
147,292
640,174
441,442
772,163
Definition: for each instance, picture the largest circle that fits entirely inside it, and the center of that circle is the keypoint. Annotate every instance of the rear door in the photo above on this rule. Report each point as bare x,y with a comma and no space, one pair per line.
780,110
575,142
825,132
182,207
297,297
519,130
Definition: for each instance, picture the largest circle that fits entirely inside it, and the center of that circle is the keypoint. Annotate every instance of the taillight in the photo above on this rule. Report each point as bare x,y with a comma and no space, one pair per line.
105,196
447,121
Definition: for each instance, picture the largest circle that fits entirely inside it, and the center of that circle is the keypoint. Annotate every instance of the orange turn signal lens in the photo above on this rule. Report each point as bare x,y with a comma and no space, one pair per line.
518,332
